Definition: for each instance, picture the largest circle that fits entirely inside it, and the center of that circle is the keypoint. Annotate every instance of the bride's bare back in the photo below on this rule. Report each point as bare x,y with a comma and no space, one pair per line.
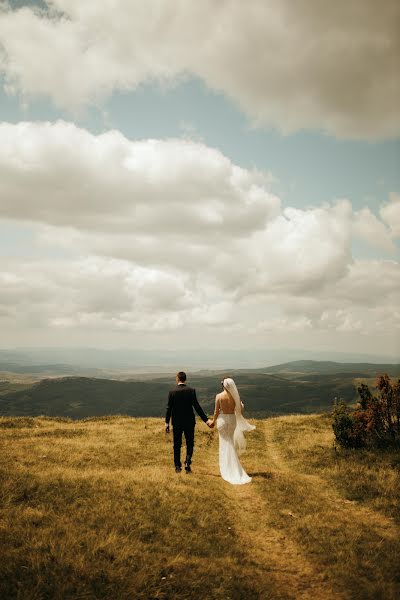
224,401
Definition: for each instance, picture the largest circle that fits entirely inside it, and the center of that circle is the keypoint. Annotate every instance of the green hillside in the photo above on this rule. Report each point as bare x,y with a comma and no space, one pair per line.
296,387
79,397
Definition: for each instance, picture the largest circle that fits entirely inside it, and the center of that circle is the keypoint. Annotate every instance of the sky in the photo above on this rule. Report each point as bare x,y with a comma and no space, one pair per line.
200,175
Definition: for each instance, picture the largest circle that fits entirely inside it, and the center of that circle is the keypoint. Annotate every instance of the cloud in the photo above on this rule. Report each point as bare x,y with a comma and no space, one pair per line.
156,236
97,294
364,301
62,175
297,250
167,204
367,227
288,65
106,293
390,213
302,249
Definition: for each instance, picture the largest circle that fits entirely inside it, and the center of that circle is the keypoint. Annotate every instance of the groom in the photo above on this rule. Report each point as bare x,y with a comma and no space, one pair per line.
181,401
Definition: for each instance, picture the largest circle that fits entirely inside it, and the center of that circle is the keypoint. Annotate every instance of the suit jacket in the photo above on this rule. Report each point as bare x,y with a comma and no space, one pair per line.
181,402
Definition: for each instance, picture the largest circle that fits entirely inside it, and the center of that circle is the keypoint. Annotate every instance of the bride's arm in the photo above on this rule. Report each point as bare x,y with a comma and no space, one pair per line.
216,409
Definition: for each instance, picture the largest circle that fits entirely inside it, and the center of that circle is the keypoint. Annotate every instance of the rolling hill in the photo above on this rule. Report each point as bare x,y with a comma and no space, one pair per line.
299,387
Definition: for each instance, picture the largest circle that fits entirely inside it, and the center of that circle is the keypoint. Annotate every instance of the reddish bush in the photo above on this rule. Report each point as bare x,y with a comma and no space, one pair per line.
375,422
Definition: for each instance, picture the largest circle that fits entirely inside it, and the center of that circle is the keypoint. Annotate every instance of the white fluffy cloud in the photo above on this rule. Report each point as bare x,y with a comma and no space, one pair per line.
115,296
293,65
152,236
99,292
365,301
390,213
171,204
106,294
369,228
302,249
62,175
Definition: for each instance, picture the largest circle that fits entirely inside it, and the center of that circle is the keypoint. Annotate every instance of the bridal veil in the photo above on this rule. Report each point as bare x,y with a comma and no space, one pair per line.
241,424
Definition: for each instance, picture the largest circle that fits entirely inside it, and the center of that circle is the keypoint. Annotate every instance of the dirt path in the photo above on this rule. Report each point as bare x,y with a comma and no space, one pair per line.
277,559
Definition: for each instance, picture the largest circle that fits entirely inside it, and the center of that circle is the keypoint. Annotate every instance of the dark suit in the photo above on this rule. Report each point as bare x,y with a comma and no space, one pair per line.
181,402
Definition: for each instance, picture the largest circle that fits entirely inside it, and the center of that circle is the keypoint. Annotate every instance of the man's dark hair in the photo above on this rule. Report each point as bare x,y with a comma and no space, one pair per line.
181,376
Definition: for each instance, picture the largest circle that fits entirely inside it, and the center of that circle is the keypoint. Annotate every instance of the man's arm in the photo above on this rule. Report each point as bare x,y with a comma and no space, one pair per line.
198,408
169,410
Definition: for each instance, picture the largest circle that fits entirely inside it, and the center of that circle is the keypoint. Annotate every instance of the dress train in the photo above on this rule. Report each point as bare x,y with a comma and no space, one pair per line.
229,463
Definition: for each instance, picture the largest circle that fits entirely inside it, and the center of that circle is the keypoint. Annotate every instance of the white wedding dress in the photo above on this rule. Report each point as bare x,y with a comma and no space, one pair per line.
232,442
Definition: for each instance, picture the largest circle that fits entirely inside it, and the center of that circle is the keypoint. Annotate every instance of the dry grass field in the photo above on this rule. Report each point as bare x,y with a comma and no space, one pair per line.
93,509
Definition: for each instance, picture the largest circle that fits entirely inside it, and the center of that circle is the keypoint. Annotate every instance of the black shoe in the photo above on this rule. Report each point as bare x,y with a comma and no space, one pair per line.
188,469
178,469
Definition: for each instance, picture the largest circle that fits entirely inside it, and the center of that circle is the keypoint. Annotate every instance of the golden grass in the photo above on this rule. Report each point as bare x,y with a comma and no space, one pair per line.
94,509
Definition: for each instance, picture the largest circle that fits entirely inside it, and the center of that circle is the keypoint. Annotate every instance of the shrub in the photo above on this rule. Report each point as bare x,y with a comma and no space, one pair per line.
376,420
344,425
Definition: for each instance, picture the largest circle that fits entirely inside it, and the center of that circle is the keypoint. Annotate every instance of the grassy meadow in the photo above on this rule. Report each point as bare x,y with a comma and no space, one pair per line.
93,509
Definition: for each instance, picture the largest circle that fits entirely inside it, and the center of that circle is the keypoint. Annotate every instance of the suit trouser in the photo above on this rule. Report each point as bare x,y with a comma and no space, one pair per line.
188,431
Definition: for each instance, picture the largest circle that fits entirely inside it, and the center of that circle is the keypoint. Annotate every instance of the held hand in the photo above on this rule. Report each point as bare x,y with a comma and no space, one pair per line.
166,427
210,423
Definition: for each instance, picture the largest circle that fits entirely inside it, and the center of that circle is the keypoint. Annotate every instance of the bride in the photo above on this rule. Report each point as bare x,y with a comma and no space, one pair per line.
231,424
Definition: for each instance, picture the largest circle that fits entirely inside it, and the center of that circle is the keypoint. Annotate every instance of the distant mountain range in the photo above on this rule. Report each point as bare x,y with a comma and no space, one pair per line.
294,387
313,366
93,361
